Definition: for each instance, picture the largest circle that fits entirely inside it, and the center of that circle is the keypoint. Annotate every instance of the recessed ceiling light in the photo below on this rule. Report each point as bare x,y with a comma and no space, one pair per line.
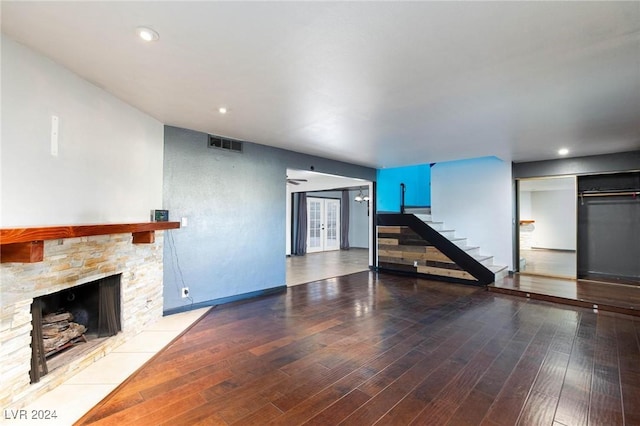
563,151
222,110
147,34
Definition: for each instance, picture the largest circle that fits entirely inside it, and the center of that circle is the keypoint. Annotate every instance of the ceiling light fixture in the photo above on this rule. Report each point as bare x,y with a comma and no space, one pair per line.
563,151
147,34
361,197
223,110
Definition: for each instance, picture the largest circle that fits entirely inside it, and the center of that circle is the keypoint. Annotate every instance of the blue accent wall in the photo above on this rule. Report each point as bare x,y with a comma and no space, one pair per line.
418,183
235,203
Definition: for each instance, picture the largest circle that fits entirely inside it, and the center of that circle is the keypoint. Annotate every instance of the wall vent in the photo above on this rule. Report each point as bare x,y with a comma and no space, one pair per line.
227,144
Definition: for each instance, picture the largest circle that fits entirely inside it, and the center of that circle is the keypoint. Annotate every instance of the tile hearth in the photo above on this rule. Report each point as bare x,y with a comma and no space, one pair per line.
91,385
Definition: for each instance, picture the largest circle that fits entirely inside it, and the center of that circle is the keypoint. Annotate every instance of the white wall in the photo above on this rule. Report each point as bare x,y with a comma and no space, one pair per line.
525,206
555,224
474,197
109,165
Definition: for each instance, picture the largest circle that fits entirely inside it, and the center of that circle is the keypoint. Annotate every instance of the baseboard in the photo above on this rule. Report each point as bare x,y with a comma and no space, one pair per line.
224,300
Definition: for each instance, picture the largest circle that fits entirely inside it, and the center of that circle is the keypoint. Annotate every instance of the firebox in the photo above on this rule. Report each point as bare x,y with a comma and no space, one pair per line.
65,321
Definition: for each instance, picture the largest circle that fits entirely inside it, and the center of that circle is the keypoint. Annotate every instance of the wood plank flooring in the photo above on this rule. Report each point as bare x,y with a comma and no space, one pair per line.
558,263
621,298
379,349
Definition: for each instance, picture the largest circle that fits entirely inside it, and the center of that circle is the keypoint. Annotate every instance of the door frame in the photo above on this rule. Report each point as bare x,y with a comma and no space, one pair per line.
517,240
351,184
324,228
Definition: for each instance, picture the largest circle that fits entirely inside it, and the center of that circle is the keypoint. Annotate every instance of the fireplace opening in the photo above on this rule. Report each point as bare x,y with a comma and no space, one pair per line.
70,321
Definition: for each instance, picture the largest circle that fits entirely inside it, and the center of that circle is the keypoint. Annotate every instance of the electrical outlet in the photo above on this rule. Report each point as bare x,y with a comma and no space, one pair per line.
185,292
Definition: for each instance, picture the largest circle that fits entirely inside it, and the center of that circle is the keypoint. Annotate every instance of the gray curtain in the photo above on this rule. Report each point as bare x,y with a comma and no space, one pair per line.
109,306
344,220
300,248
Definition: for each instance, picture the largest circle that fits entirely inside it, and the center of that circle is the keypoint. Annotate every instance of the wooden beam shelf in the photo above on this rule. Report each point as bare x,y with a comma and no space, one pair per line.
26,245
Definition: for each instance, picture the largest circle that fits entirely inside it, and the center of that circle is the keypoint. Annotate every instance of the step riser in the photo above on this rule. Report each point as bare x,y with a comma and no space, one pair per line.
501,275
499,272
438,226
461,242
472,252
487,262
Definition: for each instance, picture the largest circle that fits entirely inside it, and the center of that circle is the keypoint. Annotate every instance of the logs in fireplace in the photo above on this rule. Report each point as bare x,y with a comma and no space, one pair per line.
60,332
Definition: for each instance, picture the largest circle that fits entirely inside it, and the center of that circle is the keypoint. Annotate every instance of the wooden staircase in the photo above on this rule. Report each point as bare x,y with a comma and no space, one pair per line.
414,244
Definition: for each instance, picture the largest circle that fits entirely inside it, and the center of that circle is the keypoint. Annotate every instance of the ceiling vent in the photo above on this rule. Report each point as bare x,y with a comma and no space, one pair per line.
225,143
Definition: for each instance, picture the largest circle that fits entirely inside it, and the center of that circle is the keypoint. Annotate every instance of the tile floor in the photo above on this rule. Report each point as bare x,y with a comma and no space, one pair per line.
83,391
329,264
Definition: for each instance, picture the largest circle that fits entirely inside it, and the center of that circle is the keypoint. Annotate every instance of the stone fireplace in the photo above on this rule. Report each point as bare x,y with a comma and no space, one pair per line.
69,263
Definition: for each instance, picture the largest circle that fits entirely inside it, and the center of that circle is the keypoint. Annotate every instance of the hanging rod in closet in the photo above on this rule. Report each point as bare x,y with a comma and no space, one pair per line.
609,194
583,194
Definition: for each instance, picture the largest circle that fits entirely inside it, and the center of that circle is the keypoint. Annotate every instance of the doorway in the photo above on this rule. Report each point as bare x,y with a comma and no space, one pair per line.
349,239
323,224
547,218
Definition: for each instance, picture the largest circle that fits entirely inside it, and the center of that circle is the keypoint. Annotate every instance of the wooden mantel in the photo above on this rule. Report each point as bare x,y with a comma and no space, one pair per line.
26,245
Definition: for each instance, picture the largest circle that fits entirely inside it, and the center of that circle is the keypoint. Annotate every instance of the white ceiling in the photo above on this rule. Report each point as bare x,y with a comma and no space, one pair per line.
381,84
321,181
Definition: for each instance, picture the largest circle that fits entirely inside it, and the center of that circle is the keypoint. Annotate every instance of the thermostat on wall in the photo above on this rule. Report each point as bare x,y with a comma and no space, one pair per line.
159,215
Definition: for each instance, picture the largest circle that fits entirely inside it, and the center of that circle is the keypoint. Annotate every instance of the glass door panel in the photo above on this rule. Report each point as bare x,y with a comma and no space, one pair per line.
323,227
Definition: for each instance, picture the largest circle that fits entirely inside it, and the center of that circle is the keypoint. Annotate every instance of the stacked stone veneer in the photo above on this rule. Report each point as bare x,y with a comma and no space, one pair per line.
68,263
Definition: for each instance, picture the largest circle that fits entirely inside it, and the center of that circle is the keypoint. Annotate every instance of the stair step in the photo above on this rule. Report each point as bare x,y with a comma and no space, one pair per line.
423,217
460,242
499,271
448,233
418,210
484,260
471,251
435,225
426,218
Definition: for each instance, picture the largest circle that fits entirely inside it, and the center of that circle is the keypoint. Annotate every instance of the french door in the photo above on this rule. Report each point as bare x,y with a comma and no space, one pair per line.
323,224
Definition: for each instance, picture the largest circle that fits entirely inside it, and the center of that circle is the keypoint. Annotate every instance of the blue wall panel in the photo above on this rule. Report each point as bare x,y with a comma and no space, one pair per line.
418,183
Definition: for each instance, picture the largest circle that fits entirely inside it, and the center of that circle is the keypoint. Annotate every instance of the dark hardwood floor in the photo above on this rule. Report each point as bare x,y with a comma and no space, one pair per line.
605,296
366,349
